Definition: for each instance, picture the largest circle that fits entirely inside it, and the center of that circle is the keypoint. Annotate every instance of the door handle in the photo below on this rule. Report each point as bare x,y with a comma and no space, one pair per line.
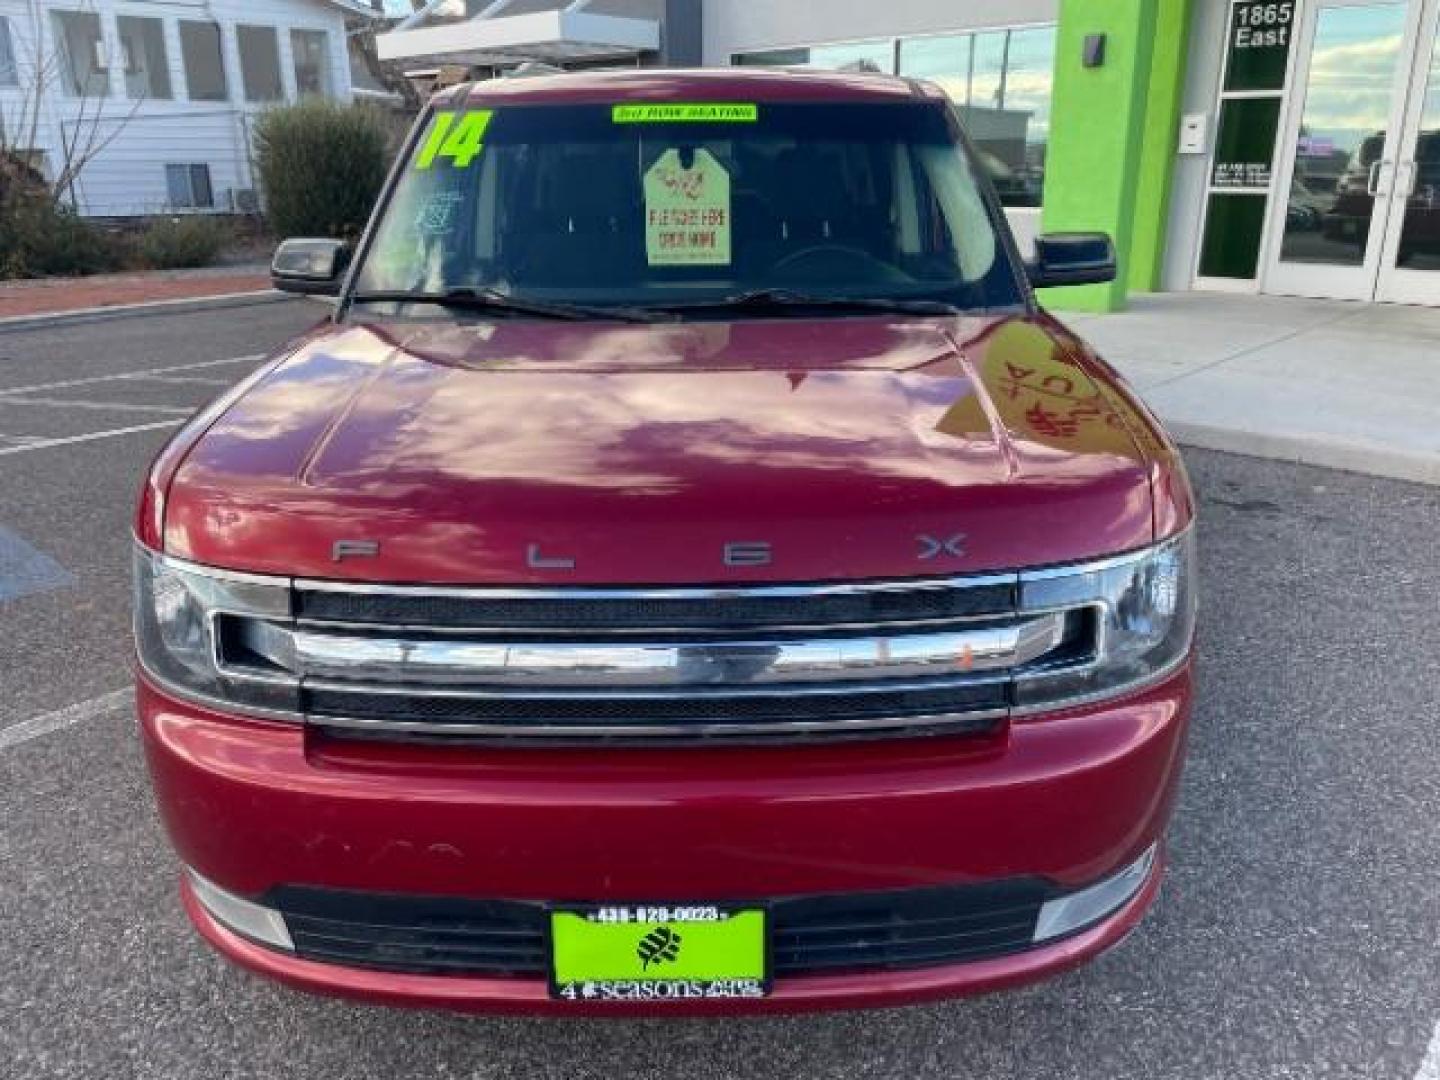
1372,182
1413,172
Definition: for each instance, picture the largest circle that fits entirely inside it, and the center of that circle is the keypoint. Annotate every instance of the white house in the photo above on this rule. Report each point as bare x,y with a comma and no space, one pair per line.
161,94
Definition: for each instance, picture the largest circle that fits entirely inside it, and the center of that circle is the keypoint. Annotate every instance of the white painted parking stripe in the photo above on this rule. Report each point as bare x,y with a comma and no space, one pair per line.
179,380
70,440
1430,1067
109,406
26,730
91,380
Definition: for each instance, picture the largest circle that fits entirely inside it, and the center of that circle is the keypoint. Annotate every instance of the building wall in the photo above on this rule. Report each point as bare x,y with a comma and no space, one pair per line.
1188,188
735,25
732,26
128,177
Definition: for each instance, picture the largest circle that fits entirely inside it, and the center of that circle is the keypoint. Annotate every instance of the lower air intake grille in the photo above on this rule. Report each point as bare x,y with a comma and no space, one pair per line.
966,709
433,935
912,928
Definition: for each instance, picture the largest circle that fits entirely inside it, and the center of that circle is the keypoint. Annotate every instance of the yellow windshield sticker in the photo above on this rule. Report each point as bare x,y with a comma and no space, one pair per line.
686,114
458,137
687,211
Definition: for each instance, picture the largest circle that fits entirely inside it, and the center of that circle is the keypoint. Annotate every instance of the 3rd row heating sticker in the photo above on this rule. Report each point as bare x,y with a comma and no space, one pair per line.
710,113
687,210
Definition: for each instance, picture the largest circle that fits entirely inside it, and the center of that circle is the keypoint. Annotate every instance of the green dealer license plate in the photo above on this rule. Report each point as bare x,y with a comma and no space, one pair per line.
659,952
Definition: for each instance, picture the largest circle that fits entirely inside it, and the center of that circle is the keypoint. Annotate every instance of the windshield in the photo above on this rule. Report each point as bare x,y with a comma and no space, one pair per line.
668,205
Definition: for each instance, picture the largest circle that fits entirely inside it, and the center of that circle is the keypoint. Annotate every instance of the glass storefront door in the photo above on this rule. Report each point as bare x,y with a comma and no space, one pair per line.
1361,156
1410,265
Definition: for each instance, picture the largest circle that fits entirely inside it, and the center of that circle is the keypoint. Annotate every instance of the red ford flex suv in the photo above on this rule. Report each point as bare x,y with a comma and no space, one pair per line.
687,572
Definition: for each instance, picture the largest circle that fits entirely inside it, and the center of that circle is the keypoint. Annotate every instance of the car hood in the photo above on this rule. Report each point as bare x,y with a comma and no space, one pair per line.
600,453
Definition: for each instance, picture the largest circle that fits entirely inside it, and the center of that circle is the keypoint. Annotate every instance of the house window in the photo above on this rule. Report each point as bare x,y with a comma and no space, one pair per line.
1000,81
204,61
84,58
260,63
189,187
312,62
9,73
147,68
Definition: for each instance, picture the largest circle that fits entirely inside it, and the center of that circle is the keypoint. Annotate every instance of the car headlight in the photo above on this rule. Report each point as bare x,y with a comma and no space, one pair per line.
1142,607
181,616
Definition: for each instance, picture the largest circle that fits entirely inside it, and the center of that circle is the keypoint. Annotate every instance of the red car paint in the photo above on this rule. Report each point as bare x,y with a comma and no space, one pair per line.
638,449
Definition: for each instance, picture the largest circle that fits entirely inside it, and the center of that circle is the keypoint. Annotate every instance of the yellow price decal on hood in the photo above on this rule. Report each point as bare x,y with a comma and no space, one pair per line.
691,114
457,136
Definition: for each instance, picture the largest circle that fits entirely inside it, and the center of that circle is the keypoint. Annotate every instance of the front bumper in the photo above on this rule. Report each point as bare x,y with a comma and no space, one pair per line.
1068,798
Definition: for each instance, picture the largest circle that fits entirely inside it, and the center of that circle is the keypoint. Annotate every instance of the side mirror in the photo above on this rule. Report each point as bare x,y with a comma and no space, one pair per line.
310,267
1071,258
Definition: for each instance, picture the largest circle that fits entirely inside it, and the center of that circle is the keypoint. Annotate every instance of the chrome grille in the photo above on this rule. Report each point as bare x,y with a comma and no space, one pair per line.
754,664
724,612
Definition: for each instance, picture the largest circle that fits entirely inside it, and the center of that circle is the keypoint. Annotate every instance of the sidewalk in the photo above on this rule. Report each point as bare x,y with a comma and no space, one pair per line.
55,296
1344,385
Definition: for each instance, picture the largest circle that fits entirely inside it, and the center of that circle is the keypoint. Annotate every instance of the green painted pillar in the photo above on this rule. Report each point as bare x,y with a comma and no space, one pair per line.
1112,137
1157,152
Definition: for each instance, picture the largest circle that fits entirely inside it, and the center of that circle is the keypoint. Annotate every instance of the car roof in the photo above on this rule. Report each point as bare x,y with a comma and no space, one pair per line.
701,85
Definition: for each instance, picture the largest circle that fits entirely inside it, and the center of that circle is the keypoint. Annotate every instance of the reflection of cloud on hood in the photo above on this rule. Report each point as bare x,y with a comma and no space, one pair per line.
383,424
454,470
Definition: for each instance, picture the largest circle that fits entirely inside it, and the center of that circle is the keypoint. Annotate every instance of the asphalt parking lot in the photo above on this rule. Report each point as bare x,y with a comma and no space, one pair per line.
1299,934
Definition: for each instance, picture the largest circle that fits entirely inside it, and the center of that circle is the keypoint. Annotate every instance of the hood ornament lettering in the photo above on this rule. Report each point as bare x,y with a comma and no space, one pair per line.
748,553
354,549
536,559
932,547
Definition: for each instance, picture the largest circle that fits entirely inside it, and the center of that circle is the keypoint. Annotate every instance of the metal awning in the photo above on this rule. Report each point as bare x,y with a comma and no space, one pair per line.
492,39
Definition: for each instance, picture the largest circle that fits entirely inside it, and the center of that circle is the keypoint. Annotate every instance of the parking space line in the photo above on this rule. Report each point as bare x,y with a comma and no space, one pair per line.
26,730
1430,1066
178,380
110,406
91,380
70,440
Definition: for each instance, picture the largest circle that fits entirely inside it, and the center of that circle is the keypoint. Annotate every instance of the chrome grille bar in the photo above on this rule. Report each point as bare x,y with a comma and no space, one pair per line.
422,662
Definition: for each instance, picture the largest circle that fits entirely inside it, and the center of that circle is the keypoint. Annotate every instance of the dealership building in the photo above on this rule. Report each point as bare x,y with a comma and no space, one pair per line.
1288,147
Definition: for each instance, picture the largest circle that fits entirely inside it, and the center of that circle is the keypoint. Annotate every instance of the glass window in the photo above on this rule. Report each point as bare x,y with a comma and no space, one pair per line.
565,203
1259,45
1233,226
1346,109
204,61
877,56
1001,82
260,63
189,187
311,49
1420,238
84,58
147,68
9,73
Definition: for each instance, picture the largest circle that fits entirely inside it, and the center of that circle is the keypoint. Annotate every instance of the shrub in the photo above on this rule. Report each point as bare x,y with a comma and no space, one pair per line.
182,242
321,167
38,239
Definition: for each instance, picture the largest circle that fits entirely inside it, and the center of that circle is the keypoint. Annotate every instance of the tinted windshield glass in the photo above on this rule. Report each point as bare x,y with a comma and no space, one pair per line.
655,205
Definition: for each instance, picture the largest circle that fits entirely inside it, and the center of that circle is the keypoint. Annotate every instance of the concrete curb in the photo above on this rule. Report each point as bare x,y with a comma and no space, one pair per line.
182,305
1346,455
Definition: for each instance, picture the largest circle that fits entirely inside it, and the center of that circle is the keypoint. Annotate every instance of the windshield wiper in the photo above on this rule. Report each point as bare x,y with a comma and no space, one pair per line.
766,300
472,299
